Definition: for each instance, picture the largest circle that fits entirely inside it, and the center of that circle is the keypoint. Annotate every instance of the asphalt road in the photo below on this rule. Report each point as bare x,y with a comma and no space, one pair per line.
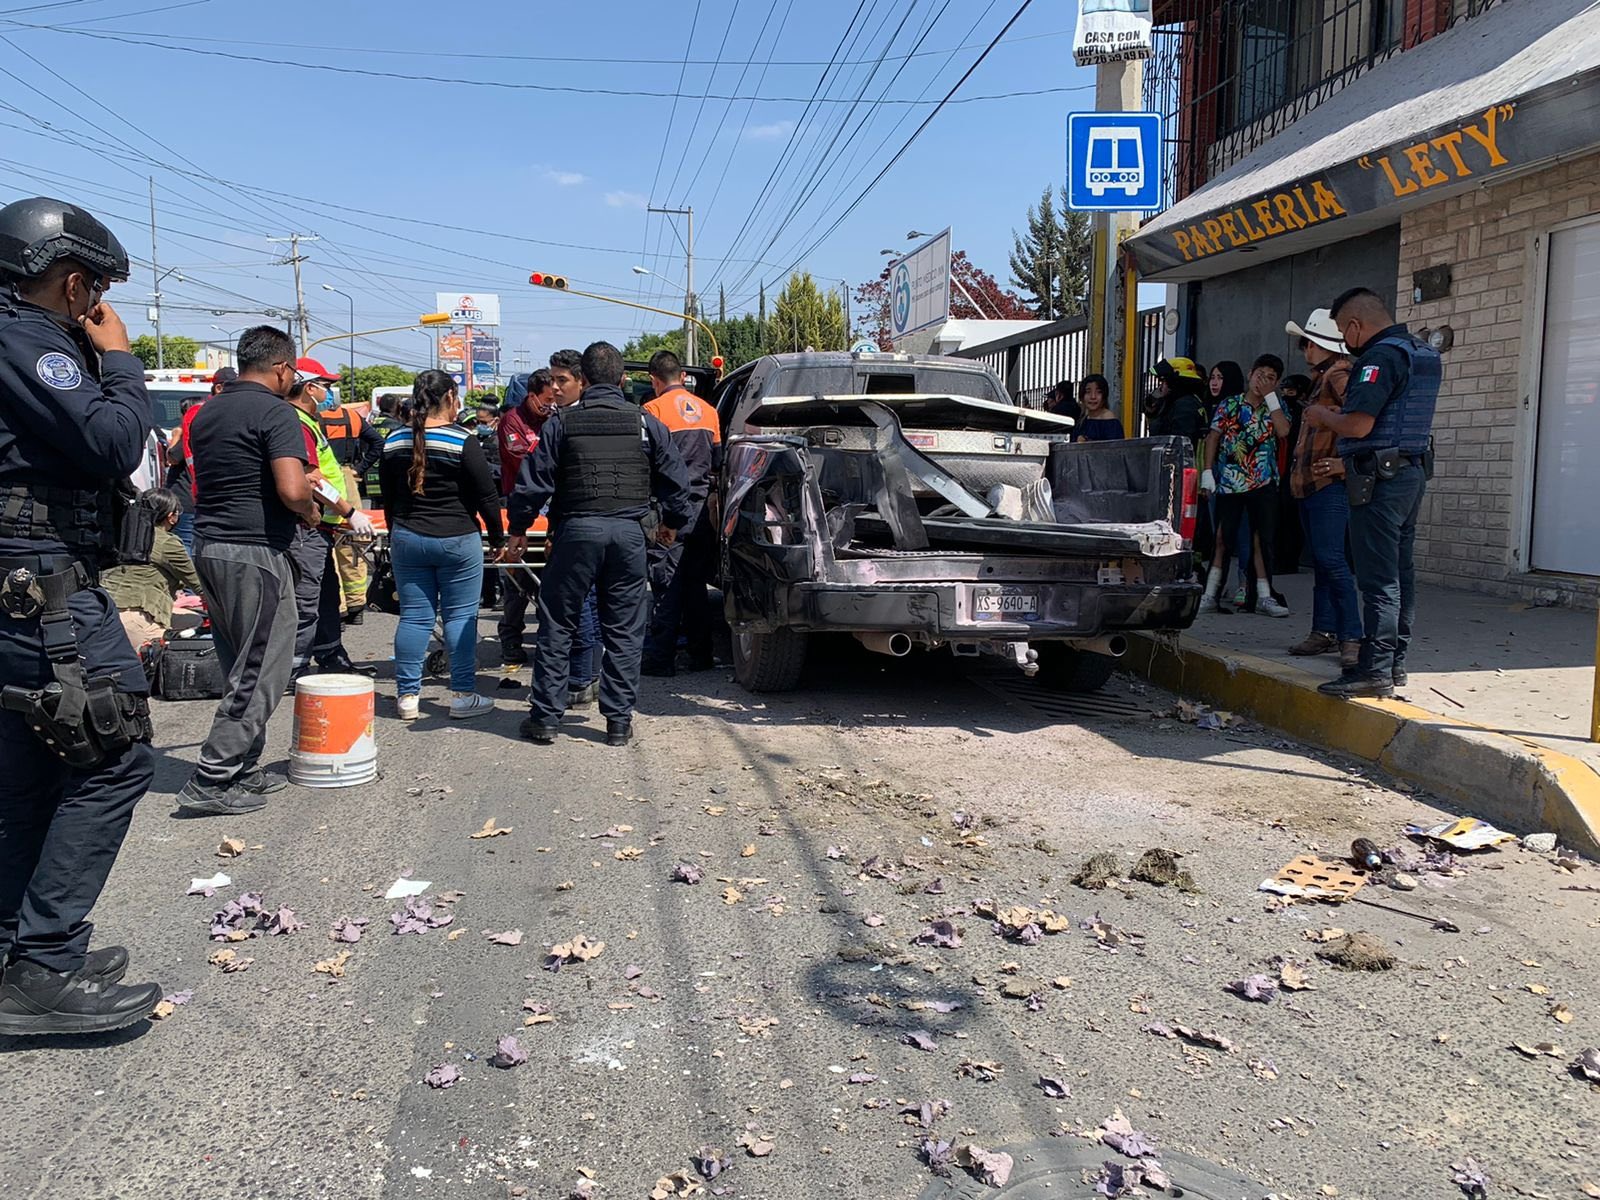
711,1015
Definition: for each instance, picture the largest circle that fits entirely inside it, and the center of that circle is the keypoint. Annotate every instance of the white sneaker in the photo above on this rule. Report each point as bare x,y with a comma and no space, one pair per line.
1208,604
466,705
410,707
1269,607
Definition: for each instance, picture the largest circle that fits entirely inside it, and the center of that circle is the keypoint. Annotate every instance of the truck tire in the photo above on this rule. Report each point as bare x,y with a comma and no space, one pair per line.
768,662
1065,669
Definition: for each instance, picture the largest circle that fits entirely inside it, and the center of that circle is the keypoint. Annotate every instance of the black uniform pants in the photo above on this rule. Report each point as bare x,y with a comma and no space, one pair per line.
319,632
679,576
607,553
60,829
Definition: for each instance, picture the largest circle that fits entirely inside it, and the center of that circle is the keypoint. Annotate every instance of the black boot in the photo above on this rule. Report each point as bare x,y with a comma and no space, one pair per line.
619,733
583,697
1356,684
538,732
356,616
36,1000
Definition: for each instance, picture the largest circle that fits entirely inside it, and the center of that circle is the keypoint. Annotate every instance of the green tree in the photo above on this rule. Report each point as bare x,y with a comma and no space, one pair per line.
182,352
738,341
804,318
1050,259
359,391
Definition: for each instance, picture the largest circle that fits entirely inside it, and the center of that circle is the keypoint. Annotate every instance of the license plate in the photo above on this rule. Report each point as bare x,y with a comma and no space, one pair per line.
998,604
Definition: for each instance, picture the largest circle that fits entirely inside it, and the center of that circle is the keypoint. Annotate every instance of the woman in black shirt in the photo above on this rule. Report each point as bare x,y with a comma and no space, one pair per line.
436,489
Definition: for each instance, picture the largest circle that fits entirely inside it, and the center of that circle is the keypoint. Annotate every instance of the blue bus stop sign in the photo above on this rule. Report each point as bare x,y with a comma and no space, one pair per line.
1113,161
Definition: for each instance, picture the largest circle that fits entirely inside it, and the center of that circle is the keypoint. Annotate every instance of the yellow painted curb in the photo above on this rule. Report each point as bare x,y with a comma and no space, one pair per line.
1504,779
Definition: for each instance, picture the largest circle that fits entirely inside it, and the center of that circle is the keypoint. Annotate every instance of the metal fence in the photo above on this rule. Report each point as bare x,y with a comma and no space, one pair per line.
1030,364
1227,75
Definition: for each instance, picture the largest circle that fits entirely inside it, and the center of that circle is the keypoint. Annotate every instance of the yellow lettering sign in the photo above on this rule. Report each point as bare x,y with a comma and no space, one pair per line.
1327,203
1421,171
1450,143
1263,210
1488,137
1271,216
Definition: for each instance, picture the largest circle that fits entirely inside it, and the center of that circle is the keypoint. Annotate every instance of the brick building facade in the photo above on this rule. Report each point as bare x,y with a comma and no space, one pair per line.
1477,518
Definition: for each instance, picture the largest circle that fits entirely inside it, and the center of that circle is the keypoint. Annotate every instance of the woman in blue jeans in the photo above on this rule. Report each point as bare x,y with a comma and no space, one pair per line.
1316,476
436,489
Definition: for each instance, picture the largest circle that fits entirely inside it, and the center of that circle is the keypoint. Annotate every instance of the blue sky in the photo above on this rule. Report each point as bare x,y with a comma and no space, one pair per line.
417,186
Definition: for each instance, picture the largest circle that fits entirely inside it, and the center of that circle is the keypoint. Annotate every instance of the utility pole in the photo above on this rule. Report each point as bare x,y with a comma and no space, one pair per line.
294,260
1118,87
155,276
690,337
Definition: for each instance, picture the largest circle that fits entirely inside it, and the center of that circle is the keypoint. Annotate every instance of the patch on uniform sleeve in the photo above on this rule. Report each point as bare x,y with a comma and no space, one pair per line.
1369,374
59,371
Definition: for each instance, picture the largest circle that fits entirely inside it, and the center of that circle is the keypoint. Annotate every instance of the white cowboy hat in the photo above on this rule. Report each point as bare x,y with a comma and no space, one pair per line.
1319,328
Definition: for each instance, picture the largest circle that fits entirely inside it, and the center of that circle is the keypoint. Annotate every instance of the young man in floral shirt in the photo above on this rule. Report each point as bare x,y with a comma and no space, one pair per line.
1240,461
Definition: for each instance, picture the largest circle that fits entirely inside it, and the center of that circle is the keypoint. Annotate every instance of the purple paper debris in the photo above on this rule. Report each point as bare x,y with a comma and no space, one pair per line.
1055,1088
872,920
928,1112
182,997
348,929
1118,1132
936,888
1030,934
862,1077
937,1155
941,933
419,916
1469,1177
508,1053
712,1161
236,916
834,852
991,1167
632,971
1261,988
1035,1002
687,873
921,1039
283,921
1587,1064
443,1076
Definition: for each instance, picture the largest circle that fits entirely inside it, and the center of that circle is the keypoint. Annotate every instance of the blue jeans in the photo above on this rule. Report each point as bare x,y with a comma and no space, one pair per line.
1325,516
185,531
433,574
1383,536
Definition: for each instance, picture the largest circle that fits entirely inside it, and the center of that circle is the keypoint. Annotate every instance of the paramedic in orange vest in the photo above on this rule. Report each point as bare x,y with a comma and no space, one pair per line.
680,573
357,445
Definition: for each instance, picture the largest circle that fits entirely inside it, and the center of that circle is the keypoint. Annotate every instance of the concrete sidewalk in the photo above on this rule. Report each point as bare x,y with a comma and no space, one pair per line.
1495,717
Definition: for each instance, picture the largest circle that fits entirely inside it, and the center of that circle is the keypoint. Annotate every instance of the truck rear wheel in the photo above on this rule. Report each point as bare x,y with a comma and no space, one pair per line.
1065,669
768,662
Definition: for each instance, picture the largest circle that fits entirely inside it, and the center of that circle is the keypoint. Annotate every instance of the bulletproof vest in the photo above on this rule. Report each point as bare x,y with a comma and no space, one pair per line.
605,460
342,428
1407,420
385,425
84,520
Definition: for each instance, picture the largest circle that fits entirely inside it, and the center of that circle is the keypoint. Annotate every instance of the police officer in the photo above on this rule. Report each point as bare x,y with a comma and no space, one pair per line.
74,717
598,464
1386,457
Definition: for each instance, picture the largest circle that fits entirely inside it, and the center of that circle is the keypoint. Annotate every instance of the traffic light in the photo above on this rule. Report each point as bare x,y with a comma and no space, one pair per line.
540,279
434,319
716,361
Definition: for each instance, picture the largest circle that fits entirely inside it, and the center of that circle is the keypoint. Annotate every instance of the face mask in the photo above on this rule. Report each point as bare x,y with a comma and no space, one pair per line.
485,428
328,403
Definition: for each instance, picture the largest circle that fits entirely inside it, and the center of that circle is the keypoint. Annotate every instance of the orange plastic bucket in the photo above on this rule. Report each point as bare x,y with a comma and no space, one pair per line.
334,744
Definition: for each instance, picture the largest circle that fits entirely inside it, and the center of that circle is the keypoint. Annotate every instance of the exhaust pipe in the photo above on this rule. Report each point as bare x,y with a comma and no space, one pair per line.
1113,646
895,645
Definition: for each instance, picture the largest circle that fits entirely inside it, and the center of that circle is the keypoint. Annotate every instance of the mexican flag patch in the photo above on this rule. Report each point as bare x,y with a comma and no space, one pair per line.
1369,375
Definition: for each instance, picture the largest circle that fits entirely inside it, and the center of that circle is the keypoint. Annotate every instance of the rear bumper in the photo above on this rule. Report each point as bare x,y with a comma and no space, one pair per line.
944,612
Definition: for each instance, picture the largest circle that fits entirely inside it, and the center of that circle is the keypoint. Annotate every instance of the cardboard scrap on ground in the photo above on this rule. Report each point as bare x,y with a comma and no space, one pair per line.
1311,878
1465,834
489,830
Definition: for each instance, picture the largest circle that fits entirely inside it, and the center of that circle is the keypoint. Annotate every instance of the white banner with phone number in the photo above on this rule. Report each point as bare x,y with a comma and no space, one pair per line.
1112,31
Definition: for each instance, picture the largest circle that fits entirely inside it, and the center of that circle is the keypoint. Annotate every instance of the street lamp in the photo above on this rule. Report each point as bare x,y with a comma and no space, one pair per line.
433,348
161,353
914,235
328,287
233,338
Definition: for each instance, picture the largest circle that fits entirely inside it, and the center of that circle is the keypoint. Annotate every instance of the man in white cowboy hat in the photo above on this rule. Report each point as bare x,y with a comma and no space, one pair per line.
1316,475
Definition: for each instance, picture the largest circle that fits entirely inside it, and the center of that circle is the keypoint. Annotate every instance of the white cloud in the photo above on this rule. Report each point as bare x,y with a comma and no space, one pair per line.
626,200
565,178
766,133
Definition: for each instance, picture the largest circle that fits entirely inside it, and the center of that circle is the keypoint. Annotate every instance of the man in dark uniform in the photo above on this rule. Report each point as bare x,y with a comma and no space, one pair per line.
598,464
680,573
1384,433
74,717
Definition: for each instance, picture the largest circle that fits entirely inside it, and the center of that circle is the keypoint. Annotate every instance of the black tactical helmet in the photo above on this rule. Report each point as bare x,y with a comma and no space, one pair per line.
38,233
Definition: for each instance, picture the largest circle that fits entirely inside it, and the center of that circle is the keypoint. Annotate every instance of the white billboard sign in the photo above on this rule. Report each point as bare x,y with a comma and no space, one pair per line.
919,287
469,308
1111,31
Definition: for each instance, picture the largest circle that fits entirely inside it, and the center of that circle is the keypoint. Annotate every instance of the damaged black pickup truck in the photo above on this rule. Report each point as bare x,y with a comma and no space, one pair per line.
914,518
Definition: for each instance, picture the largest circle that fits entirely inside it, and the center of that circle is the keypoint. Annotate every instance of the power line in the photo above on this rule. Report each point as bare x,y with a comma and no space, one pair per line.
508,85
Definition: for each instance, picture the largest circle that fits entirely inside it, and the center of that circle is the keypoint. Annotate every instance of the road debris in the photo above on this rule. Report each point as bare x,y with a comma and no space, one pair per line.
1260,988
230,847
489,830
1561,1013
1185,1033
1292,977
508,1053
507,937
237,919
1540,843
628,854
1020,923
1098,872
1469,1177
941,934
283,921
538,1014
1055,1088
1358,951
228,961
940,1156
1587,1064
731,896
614,831
1118,1132
418,916
712,1161
921,1039
579,949
1109,936
1466,834
442,1076
991,1167
1160,867
1308,877
687,873
982,1070
1540,1050
333,966
925,1114
208,887
1116,1179
348,929
403,887
756,1145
